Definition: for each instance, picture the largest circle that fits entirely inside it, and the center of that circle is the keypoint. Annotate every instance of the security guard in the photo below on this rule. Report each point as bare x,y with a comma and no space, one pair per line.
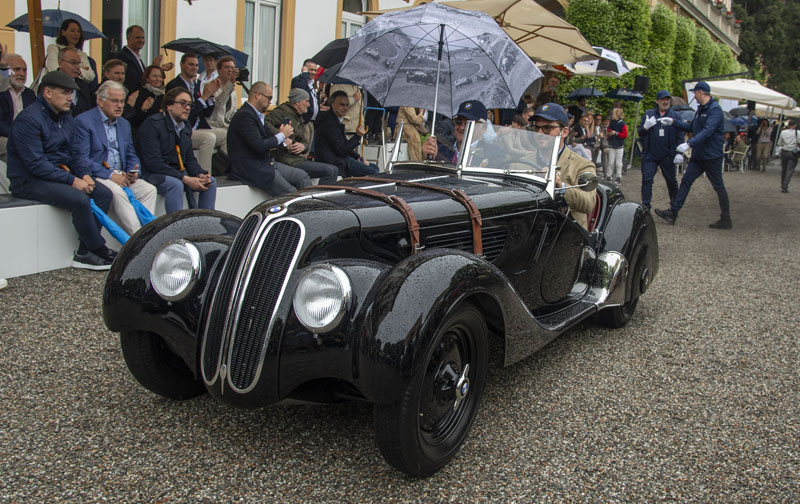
660,139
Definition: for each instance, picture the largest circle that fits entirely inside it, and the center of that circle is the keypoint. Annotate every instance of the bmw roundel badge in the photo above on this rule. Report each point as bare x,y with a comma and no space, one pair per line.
275,209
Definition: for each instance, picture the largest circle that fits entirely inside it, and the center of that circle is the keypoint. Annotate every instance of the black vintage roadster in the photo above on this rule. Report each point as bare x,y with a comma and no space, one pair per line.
388,289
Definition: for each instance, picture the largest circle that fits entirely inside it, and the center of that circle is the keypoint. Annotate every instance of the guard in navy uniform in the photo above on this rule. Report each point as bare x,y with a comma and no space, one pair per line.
660,138
706,144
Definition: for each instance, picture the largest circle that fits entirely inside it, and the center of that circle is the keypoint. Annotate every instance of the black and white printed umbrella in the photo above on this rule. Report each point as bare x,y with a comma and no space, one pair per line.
436,57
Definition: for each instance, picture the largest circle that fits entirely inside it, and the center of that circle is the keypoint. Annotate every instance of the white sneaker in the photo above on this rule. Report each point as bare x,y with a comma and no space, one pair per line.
3,283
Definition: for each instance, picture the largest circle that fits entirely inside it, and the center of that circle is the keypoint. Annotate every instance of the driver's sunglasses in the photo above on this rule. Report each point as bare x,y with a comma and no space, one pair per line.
546,129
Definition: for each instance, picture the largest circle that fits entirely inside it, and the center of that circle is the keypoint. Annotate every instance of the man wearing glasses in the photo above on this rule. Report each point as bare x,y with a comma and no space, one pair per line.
551,119
251,140
165,145
104,145
69,62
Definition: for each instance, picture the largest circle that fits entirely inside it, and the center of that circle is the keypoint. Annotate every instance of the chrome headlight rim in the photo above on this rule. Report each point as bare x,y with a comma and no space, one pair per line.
346,297
196,269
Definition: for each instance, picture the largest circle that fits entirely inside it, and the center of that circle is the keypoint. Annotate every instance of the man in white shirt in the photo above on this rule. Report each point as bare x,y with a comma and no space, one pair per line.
130,54
13,99
788,142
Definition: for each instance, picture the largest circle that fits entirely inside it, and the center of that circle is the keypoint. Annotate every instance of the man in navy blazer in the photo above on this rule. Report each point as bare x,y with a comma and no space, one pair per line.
13,99
103,143
131,55
165,146
251,140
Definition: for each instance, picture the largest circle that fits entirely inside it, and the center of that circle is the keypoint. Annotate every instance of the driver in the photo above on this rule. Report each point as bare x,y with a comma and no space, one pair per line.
551,119
482,139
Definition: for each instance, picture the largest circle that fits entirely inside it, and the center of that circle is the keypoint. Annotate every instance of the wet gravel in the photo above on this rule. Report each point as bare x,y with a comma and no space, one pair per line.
696,400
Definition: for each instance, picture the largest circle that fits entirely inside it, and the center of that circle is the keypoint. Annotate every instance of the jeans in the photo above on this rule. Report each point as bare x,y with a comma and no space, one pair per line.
72,200
649,169
713,170
788,164
173,190
614,163
326,173
359,169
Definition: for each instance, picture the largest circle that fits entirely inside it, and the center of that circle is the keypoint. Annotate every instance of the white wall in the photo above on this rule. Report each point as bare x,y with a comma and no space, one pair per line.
213,20
314,27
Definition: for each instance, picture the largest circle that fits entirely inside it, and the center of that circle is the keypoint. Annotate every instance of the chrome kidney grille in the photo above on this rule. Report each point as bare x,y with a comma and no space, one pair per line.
249,291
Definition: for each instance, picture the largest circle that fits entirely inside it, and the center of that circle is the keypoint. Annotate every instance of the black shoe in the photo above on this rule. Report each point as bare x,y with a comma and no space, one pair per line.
784,190
619,180
668,215
722,223
91,261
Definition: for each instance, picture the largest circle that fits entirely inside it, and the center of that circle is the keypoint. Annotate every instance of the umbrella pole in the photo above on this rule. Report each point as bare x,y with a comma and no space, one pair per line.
633,143
438,70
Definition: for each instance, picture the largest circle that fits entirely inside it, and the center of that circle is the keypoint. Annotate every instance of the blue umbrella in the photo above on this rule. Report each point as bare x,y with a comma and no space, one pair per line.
584,92
739,121
144,215
239,58
51,23
106,221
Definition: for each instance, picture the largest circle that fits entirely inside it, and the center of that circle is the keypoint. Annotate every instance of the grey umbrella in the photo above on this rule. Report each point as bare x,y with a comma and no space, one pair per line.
436,57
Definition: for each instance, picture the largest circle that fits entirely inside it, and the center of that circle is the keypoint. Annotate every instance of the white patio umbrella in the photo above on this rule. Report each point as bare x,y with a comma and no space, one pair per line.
747,89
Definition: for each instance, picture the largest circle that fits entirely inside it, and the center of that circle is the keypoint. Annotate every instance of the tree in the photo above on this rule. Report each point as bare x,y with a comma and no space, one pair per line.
704,51
659,58
682,57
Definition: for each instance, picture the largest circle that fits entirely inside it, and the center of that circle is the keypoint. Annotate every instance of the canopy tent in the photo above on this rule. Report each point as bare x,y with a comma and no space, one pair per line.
746,89
767,111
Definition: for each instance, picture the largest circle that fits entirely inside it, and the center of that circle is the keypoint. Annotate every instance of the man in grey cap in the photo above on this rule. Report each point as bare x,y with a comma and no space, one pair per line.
43,165
296,154
706,144
660,138
251,141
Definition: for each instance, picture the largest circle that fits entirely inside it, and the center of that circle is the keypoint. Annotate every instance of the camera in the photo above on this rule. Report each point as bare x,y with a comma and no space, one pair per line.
244,75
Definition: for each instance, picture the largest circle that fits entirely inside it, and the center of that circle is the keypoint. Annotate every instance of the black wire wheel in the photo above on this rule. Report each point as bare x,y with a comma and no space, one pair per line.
157,368
421,432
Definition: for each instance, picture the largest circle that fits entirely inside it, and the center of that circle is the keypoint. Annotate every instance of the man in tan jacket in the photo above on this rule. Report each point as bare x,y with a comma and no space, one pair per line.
551,119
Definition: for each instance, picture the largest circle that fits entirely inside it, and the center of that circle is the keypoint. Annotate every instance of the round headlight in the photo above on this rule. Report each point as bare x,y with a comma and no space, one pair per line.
175,270
322,297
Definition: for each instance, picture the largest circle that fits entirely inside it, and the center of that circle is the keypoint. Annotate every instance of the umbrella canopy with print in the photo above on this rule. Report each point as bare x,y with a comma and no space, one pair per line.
542,35
330,75
51,23
436,57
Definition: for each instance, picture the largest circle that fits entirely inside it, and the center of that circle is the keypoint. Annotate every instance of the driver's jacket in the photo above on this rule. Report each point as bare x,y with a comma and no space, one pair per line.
580,202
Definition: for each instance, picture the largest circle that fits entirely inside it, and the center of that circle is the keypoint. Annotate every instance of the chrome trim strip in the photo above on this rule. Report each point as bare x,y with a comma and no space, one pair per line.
243,292
214,300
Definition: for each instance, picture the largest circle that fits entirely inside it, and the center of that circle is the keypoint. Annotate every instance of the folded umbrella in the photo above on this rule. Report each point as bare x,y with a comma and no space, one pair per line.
144,215
51,23
106,221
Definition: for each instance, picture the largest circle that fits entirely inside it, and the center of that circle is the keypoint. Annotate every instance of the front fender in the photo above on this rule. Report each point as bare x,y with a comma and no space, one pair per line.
131,304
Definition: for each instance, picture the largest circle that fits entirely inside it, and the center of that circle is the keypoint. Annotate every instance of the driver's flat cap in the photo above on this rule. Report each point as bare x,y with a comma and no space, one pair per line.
58,79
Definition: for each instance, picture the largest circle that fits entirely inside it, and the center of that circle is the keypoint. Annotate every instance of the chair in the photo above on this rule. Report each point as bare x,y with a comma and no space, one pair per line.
739,155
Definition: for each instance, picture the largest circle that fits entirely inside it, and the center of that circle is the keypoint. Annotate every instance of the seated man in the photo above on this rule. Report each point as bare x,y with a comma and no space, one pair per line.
481,148
551,119
251,140
204,137
13,99
331,144
295,155
165,146
104,145
38,163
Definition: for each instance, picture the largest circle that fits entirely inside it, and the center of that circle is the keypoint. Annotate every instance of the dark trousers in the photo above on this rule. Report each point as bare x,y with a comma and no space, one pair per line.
359,169
649,169
326,173
72,200
713,170
788,164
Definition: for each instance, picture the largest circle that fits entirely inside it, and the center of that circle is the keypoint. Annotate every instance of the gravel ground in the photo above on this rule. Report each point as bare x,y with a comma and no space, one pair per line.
696,400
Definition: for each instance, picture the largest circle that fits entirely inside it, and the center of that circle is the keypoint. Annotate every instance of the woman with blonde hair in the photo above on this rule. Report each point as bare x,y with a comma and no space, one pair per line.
617,132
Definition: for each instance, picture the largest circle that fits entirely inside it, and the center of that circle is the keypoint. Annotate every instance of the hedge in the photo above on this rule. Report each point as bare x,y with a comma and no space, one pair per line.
682,55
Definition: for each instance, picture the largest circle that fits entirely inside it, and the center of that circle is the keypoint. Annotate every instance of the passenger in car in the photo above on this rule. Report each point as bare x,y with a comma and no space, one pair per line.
551,119
441,150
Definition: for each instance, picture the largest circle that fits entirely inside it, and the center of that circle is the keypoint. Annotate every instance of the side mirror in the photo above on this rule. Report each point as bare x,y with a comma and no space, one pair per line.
587,181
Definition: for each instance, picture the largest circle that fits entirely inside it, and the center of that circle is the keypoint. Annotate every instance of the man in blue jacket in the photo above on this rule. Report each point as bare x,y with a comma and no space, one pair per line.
13,99
165,145
660,138
104,145
706,144
41,167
